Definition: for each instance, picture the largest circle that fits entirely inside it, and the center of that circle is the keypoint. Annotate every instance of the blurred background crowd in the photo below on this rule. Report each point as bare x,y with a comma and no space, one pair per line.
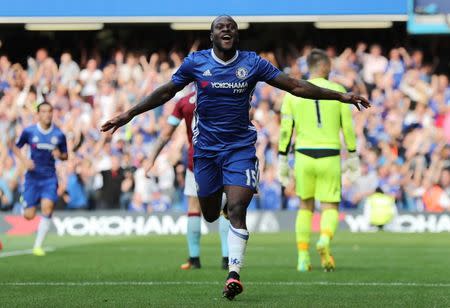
403,140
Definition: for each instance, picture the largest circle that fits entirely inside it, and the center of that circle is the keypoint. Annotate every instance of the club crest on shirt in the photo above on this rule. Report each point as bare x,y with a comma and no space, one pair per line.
54,140
241,73
192,99
35,139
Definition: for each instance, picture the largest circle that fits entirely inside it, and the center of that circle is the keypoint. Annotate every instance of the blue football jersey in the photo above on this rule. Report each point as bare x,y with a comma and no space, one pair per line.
224,92
42,143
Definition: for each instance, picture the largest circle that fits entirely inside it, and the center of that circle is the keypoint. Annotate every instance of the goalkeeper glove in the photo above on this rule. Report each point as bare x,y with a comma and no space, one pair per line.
351,166
283,170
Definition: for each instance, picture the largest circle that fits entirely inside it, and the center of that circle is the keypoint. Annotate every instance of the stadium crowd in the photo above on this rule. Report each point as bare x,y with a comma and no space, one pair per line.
403,140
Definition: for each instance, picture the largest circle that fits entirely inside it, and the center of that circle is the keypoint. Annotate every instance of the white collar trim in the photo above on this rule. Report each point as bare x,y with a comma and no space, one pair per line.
223,62
44,131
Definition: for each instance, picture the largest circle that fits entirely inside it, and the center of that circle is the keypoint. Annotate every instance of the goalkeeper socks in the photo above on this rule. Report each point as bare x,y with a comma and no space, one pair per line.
237,242
328,224
193,234
224,226
44,226
303,229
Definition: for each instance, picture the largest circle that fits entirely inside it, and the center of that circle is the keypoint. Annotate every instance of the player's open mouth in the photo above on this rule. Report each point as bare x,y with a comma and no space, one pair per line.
226,37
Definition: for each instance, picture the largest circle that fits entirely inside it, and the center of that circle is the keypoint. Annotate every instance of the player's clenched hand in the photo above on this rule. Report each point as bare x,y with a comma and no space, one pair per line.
116,123
350,98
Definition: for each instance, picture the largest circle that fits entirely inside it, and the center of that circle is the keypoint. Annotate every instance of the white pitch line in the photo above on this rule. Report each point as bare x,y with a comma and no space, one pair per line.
266,283
22,252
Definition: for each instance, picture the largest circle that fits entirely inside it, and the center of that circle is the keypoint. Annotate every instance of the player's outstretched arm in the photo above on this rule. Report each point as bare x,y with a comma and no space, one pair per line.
306,89
157,98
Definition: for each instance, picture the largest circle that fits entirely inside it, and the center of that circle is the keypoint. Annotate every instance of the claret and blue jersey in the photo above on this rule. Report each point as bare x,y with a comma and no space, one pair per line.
223,135
224,91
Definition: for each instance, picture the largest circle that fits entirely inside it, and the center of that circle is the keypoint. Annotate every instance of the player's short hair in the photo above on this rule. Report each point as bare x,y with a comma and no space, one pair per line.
43,104
220,16
317,56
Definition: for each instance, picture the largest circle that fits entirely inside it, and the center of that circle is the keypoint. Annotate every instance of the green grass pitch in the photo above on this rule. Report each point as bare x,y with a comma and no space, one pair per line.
373,270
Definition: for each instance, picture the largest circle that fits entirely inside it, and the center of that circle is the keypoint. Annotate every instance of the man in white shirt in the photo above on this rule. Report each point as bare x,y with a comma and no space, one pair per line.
68,70
89,78
373,62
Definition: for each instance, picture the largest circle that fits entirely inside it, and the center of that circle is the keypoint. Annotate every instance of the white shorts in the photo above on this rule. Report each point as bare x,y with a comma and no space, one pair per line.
190,187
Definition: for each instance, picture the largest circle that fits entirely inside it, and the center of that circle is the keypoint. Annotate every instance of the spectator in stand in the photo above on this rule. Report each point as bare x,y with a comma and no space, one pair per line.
137,204
372,63
346,75
127,188
131,70
399,60
89,78
445,180
144,185
106,100
46,76
75,194
35,64
8,182
112,182
5,71
68,71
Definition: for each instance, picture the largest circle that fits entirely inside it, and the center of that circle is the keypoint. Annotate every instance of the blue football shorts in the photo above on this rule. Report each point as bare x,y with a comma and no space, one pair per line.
235,167
35,190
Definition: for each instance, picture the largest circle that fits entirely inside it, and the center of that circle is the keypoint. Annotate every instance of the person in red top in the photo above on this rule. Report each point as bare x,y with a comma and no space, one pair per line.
184,110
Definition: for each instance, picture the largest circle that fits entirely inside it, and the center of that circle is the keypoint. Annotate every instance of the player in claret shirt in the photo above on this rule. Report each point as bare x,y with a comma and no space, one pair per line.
223,136
184,110
46,144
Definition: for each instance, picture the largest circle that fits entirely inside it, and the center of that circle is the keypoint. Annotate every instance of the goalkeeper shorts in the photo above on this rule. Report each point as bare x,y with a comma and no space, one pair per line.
318,178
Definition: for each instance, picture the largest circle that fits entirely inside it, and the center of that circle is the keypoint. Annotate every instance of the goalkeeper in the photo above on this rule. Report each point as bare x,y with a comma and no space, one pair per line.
317,124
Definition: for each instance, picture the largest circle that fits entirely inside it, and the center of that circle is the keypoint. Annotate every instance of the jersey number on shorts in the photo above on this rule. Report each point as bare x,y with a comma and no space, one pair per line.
252,177
319,119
